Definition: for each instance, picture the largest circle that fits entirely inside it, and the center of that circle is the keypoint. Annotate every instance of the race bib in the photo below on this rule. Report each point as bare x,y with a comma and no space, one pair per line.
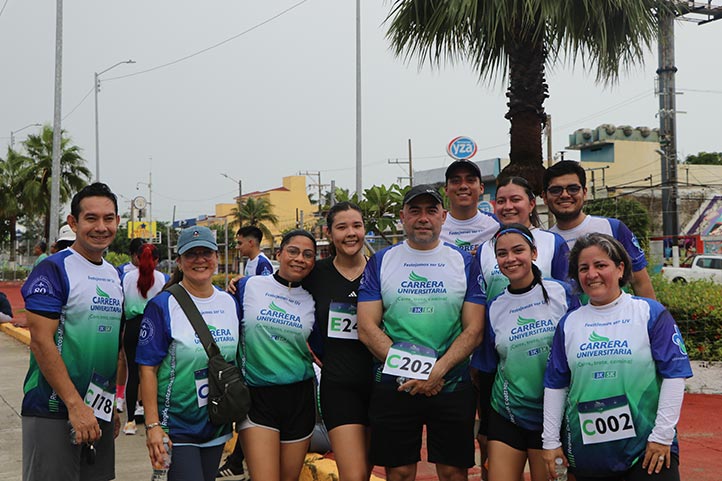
606,420
342,321
99,397
409,360
201,376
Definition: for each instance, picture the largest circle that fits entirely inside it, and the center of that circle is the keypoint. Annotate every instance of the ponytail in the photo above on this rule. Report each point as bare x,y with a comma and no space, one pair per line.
147,261
538,280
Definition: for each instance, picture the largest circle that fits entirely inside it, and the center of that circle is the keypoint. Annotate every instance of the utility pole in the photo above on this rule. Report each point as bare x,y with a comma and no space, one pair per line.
57,127
317,174
668,125
359,183
409,162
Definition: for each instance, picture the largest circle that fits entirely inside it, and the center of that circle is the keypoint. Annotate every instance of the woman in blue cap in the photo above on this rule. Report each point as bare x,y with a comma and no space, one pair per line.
173,364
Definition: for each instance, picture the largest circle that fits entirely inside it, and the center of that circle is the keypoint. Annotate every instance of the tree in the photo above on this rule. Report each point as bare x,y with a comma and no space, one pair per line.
256,211
520,38
13,202
74,175
380,207
706,158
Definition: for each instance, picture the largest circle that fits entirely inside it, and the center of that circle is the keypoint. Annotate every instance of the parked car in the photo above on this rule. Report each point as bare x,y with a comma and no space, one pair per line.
696,268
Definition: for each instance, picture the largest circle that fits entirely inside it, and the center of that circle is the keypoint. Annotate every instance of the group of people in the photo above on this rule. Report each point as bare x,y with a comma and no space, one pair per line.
472,312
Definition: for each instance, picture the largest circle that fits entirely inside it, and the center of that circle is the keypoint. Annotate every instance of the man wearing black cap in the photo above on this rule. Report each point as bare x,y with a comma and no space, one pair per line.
465,226
420,313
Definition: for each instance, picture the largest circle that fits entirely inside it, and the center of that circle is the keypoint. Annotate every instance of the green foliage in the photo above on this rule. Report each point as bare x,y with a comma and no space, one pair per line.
219,280
705,158
696,308
117,258
631,212
254,211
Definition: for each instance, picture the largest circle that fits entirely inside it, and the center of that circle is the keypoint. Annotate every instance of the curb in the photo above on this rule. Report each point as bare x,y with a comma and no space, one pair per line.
19,333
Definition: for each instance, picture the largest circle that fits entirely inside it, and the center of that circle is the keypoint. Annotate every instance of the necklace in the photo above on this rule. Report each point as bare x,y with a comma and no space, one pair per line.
350,272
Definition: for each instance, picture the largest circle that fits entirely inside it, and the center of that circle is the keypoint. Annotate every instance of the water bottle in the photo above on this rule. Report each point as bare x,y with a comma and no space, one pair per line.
161,474
560,471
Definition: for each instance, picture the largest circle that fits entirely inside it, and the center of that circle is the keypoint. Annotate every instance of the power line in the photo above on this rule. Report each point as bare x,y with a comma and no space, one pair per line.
79,104
3,9
199,52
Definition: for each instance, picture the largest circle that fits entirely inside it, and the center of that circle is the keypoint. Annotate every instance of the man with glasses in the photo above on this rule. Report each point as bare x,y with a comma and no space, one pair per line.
465,226
564,194
420,313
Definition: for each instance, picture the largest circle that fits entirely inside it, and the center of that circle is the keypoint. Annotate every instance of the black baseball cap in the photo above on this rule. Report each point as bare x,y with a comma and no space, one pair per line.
463,164
422,189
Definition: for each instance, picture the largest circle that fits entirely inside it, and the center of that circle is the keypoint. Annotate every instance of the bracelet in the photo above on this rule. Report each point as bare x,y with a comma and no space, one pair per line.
150,426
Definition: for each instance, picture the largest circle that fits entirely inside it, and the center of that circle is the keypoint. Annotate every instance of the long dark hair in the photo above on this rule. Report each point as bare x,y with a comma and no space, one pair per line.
526,234
147,260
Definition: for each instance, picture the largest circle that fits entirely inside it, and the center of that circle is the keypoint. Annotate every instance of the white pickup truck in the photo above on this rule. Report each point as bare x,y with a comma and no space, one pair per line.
700,267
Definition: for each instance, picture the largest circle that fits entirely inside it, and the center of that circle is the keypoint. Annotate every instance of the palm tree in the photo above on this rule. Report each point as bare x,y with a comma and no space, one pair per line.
74,175
256,211
520,38
13,202
381,206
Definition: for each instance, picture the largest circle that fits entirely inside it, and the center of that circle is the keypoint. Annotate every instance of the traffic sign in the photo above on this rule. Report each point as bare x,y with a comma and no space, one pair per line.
461,148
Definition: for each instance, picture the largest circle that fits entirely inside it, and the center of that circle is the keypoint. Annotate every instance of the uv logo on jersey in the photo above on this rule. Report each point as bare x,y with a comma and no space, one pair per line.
219,335
102,301
605,420
464,245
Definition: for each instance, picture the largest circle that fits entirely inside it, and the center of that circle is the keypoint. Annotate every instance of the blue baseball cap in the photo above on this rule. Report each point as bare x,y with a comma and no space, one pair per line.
196,236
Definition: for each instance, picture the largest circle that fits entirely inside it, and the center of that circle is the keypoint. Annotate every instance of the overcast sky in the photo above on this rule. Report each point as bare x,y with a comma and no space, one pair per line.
281,97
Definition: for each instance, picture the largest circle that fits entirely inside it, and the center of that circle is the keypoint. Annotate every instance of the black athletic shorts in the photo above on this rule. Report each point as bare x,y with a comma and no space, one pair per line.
398,418
504,431
289,409
343,404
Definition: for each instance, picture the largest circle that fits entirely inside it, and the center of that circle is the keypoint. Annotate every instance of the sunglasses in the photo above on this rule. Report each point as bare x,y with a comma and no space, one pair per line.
572,189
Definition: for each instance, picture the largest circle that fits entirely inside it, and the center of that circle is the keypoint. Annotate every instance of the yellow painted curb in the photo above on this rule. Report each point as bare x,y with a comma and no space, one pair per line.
19,333
318,468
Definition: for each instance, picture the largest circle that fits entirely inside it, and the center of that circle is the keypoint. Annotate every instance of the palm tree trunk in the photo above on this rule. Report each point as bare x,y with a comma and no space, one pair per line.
13,224
527,91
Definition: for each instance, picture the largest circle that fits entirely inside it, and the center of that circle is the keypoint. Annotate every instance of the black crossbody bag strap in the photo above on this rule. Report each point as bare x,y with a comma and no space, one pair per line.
196,319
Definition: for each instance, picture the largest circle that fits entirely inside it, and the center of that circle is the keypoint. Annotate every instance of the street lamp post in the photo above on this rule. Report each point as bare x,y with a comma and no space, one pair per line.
96,88
240,194
13,132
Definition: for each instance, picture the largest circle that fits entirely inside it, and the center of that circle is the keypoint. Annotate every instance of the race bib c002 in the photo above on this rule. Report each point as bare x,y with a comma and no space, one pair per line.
201,377
606,420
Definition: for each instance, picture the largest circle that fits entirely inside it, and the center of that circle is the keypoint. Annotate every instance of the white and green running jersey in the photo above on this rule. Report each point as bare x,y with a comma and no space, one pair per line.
469,234
552,259
422,293
276,321
88,301
167,340
613,359
133,301
517,340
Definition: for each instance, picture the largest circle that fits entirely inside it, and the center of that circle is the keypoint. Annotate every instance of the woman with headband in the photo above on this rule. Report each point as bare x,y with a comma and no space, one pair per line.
520,325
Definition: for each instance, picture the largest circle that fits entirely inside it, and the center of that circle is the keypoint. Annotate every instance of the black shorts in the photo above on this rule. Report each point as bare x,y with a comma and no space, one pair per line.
289,409
636,473
504,431
398,418
343,404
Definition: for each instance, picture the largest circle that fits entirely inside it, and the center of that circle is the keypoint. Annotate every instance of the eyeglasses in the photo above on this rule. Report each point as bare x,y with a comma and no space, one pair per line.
572,189
293,251
206,254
